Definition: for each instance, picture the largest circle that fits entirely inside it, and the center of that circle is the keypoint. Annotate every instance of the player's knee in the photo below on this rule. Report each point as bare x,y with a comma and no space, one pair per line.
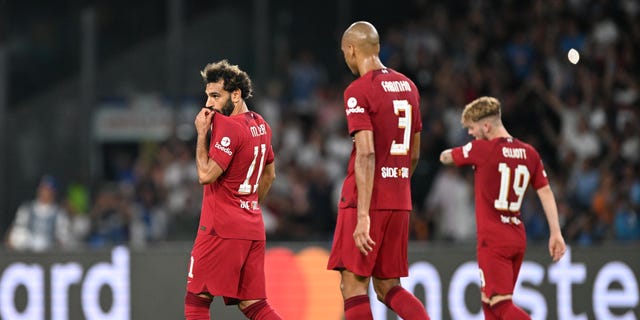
243,304
383,286
196,307
497,299
353,285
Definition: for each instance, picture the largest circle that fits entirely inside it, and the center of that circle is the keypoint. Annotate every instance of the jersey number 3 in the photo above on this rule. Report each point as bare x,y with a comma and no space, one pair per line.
519,185
404,122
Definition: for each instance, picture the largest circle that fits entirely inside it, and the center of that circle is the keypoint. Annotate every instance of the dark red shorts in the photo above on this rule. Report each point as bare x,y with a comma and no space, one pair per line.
499,268
231,268
389,230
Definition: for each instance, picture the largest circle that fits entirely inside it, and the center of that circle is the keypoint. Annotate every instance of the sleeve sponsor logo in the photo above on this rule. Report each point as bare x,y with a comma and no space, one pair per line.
223,145
352,106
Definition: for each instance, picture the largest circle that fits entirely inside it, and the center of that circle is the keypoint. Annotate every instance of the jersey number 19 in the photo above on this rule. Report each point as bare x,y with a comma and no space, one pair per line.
519,185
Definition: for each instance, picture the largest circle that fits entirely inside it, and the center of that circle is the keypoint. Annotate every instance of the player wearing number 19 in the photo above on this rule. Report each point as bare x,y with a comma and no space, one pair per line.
236,170
504,167
382,108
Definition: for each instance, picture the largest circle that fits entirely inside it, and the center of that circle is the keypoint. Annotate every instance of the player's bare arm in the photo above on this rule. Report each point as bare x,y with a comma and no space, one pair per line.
365,162
446,157
415,152
557,247
208,170
267,178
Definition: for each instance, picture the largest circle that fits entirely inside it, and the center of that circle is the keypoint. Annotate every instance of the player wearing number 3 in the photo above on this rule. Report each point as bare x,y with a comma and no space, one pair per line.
382,108
504,167
236,170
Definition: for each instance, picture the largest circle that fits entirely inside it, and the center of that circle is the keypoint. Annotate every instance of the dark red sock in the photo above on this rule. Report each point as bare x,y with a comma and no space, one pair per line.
488,313
261,310
507,310
196,307
405,304
358,308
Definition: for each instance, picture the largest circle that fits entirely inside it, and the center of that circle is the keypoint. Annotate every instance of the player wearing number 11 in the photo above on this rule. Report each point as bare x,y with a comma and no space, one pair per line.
236,170
382,108
504,167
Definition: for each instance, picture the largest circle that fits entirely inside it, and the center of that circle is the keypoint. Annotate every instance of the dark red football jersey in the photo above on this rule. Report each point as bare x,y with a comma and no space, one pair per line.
241,145
503,170
388,103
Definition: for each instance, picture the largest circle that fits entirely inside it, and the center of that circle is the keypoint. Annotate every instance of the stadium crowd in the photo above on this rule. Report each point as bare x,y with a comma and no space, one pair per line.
584,119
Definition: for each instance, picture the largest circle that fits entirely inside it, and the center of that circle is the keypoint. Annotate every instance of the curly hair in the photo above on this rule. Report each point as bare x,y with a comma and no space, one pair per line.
232,76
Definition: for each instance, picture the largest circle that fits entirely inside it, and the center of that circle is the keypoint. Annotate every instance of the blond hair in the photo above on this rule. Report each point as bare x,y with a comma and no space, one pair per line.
479,109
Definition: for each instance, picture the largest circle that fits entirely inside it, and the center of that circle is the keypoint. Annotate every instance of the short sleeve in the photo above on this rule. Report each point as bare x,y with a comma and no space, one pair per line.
471,153
225,141
357,109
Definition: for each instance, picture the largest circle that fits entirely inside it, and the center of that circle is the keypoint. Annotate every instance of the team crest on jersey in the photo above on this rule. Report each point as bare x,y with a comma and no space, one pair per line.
225,142
352,106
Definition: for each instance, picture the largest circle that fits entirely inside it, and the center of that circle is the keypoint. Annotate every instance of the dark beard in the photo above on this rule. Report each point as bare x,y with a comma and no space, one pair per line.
228,107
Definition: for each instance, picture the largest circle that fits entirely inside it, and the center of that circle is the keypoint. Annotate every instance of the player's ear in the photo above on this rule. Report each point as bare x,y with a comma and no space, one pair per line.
236,95
351,50
486,126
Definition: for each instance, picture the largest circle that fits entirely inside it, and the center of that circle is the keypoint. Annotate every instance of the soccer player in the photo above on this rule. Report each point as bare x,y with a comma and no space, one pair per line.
370,240
236,170
504,168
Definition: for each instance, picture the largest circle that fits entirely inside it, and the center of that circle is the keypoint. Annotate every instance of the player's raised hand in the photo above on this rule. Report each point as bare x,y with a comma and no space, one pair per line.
203,120
557,247
361,236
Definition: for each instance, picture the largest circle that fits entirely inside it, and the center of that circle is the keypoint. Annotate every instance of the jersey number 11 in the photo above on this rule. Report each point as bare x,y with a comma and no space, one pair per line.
246,187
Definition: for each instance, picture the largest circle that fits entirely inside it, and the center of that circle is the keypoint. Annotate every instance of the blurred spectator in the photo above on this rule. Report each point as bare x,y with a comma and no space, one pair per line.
149,215
306,75
179,177
520,54
583,184
76,203
626,221
630,145
111,216
450,204
603,206
40,224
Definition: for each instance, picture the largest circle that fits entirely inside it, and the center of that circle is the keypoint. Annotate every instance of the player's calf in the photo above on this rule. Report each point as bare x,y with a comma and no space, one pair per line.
405,304
358,308
507,310
260,310
196,307
488,312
